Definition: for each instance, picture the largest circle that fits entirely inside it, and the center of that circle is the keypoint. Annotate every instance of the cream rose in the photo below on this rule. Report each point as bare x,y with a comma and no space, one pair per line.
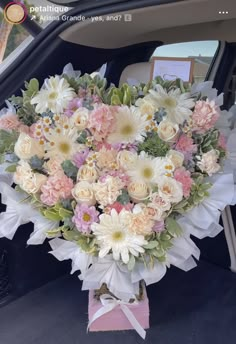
23,171
158,202
88,174
83,193
53,165
80,118
177,158
33,184
126,159
167,131
26,147
138,191
170,189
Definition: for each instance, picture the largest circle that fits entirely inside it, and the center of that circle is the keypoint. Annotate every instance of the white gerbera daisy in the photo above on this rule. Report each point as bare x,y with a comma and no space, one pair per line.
177,105
113,235
148,169
129,126
62,144
54,95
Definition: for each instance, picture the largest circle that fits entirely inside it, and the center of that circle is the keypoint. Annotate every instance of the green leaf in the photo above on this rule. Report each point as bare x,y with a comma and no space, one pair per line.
71,235
36,163
173,227
54,233
124,197
51,214
70,169
131,263
31,88
64,213
151,245
11,168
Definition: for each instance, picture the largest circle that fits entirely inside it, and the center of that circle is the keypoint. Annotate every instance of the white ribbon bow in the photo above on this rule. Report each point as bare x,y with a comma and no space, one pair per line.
109,303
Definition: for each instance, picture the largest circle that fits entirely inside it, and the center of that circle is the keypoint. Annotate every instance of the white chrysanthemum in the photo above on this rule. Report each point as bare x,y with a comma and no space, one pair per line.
54,95
177,105
62,145
112,235
129,126
148,169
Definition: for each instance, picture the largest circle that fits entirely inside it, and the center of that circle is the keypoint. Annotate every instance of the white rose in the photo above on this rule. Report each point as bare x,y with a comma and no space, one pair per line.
26,147
167,131
126,159
138,191
209,162
87,173
177,158
23,171
83,193
80,118
170,189
33,184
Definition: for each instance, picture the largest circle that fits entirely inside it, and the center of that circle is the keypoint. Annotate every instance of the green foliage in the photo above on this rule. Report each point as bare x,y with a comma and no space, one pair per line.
154,146
69,169
199,192
11,168
82,137
208,141
124,95
26,111
124,197
7,141
87,243
93,85
57,213
131,263
36,163
173,228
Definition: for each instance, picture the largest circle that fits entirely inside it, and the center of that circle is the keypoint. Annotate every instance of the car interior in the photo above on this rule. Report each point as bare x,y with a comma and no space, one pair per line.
40,302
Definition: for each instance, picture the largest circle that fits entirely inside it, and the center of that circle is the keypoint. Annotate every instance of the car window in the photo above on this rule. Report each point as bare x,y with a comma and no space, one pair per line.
202,52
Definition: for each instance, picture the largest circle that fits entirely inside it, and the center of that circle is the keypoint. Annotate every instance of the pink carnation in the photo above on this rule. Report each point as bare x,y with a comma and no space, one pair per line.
119,207
101,121
205,115
222,142
56,188
184,177
185,145
9,122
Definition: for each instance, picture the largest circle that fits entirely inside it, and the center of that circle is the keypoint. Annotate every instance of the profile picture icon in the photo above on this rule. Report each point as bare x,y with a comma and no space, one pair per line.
15,12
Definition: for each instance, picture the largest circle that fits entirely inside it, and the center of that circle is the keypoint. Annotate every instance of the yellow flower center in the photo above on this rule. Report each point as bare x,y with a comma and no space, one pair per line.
86,217
53,95
64,147
147,173
127,129
168,167
170,102
118,236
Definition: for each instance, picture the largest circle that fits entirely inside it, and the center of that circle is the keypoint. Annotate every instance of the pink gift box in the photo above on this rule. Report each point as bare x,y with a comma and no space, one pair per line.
116,320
